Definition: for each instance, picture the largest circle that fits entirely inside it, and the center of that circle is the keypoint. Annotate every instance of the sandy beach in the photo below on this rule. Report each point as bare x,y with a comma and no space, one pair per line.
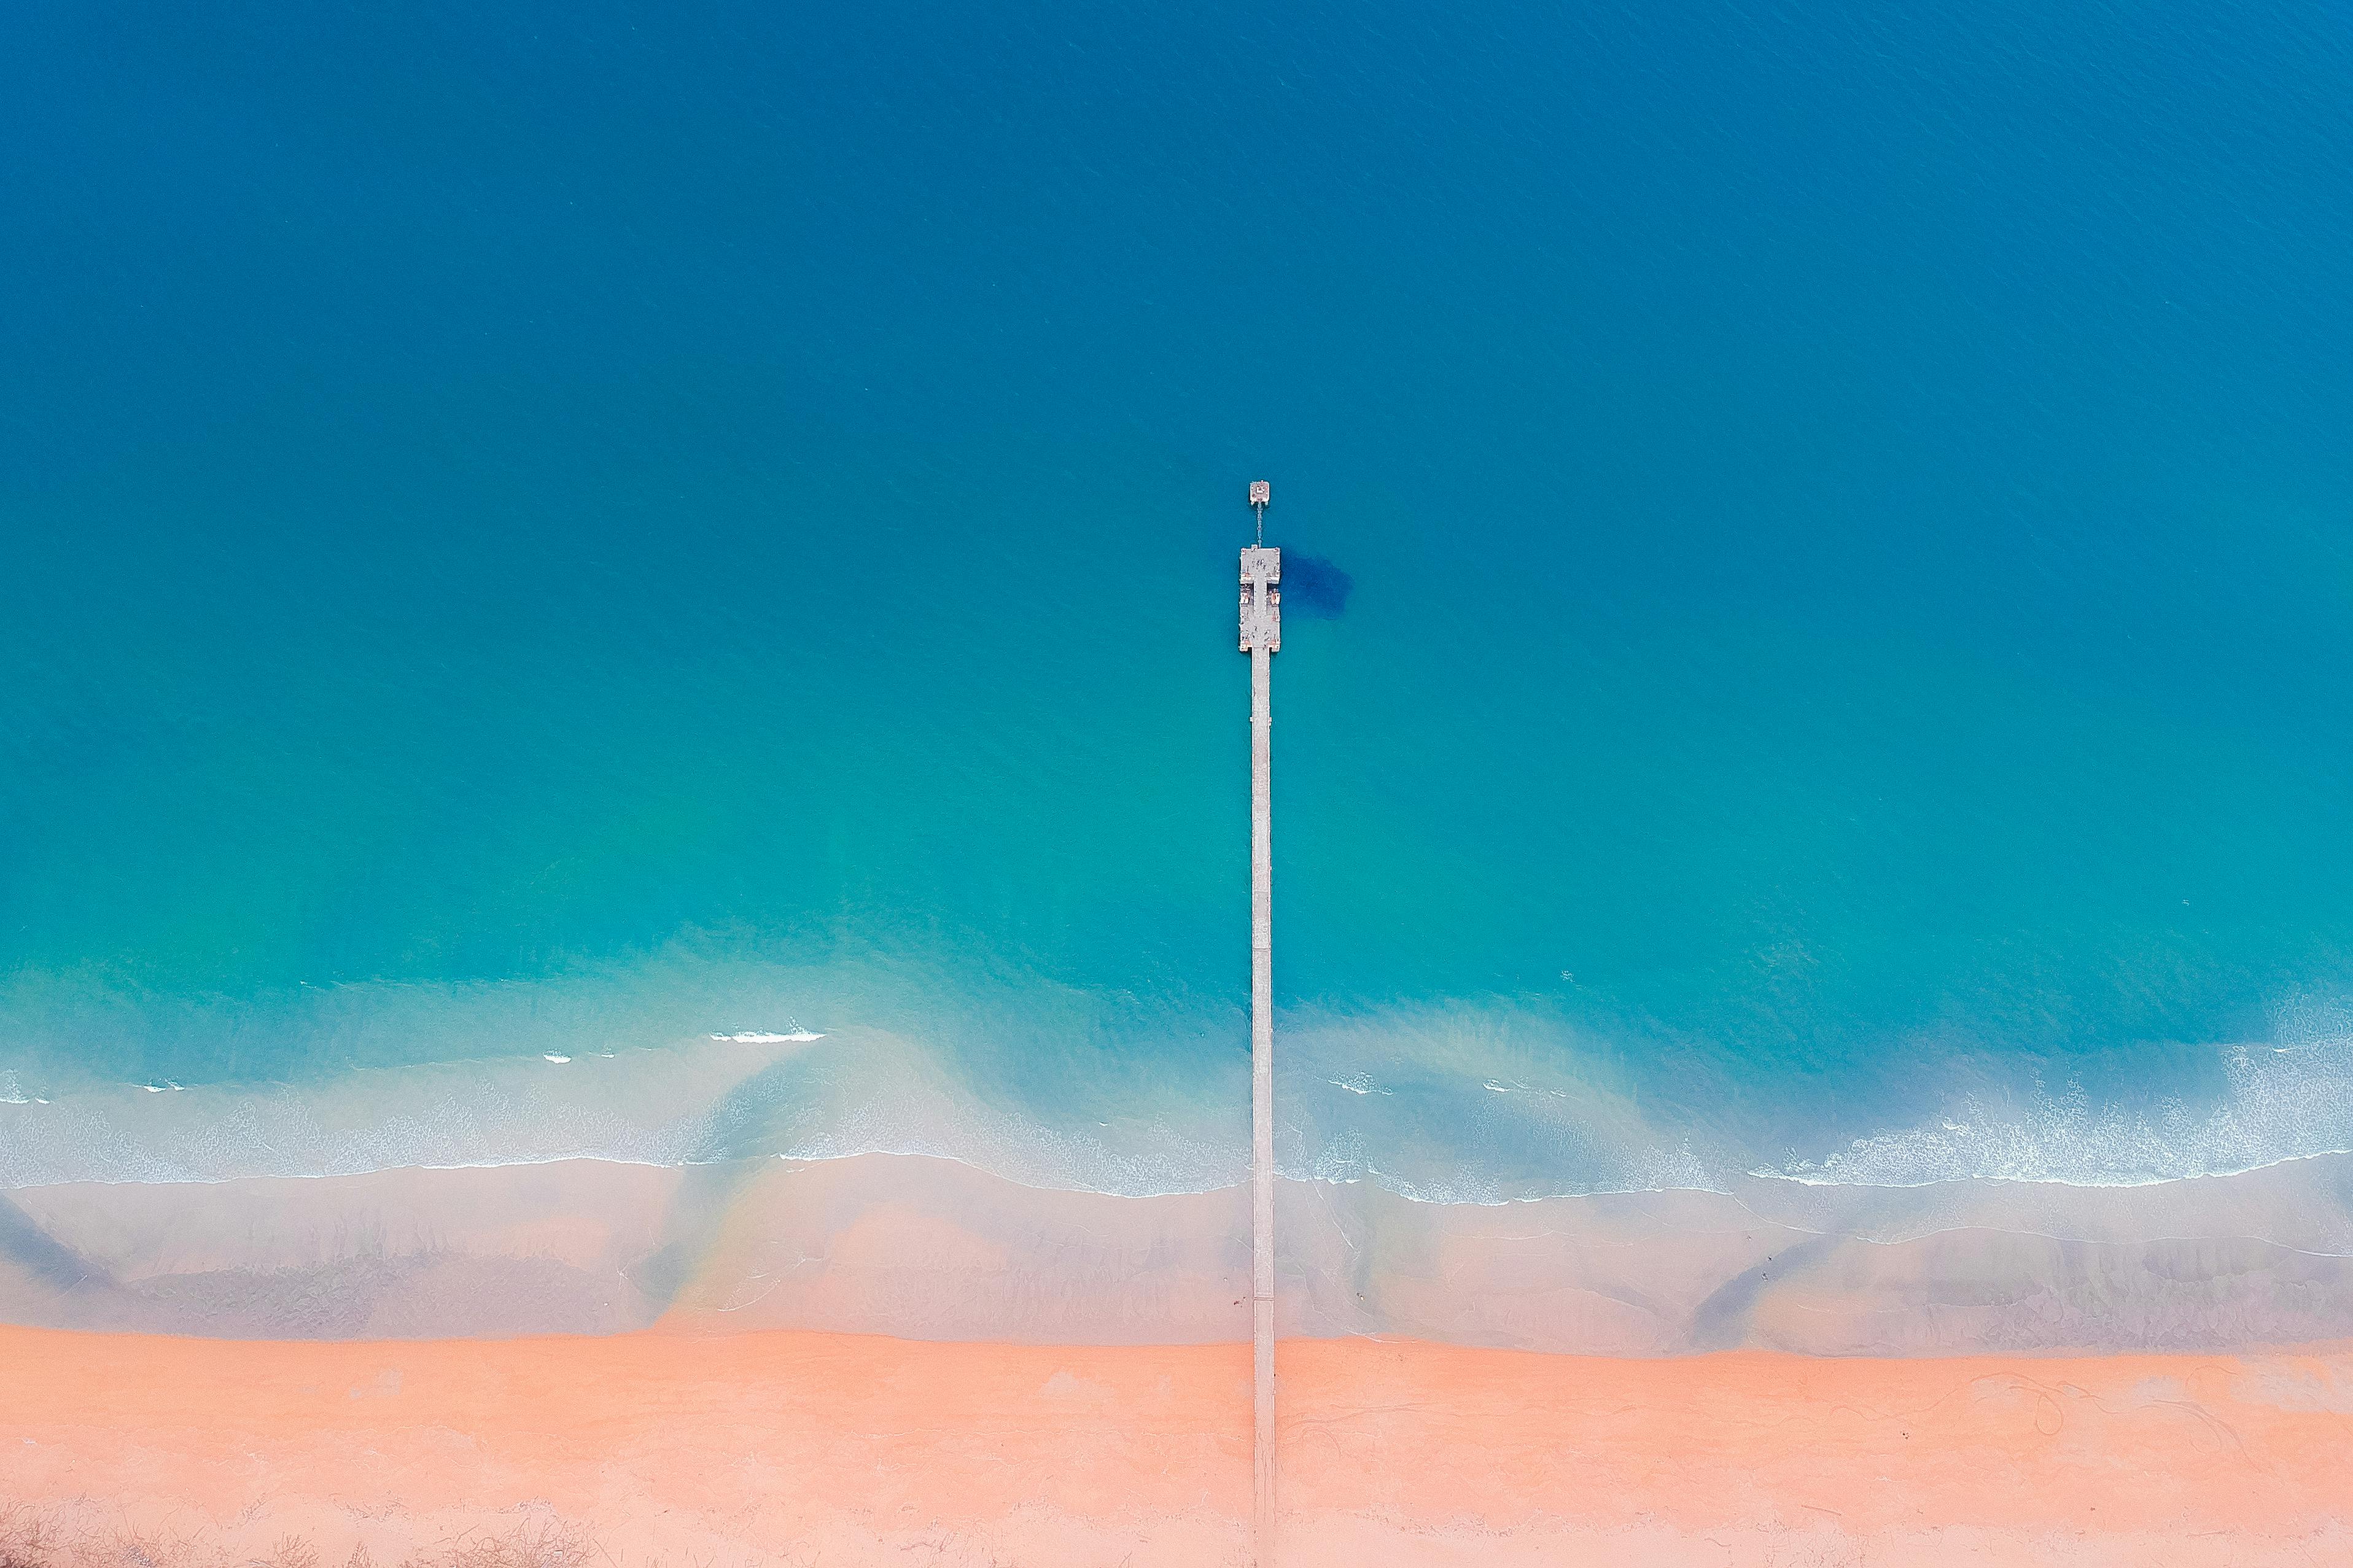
802,1447
895,1360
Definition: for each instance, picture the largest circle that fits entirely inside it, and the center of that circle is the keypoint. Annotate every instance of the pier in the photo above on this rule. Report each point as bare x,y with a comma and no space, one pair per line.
1262,638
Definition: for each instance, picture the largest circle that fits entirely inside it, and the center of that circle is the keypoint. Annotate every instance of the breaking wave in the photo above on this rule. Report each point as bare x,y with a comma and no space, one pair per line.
1465,1103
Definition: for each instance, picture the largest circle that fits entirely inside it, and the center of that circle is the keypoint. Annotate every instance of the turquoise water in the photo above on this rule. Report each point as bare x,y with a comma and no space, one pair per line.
574,531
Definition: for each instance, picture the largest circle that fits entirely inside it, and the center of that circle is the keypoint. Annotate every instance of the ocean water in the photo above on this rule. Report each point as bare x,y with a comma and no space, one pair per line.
1821,631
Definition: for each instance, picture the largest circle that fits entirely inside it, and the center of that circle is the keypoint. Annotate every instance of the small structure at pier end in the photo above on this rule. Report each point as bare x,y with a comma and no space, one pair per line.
1263,597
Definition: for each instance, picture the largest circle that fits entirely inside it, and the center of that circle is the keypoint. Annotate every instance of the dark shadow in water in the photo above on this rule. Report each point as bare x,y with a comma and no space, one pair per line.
1314,587
1723,1321
738,1146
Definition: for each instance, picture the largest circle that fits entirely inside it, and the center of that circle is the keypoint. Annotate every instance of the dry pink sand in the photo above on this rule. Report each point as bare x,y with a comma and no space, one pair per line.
835,1449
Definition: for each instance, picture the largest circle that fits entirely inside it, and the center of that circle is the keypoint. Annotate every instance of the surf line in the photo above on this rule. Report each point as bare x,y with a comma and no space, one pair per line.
1262,638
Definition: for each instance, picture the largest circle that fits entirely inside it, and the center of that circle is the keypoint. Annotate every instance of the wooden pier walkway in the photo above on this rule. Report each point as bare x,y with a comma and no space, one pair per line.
1262,636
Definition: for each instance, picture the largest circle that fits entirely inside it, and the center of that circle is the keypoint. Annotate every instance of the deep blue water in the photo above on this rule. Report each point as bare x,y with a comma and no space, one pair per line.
595,525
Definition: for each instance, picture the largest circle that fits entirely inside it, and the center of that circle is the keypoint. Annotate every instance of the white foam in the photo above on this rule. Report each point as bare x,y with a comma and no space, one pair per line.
2289,1100
649,1106
1471,1102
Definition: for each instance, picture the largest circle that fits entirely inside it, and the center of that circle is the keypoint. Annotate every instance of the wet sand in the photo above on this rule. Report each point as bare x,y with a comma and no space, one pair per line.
928,1248
844,1449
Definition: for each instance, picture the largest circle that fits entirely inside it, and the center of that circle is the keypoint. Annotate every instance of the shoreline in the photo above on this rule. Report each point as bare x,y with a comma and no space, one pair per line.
1738,1180
682,1099
849,1448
